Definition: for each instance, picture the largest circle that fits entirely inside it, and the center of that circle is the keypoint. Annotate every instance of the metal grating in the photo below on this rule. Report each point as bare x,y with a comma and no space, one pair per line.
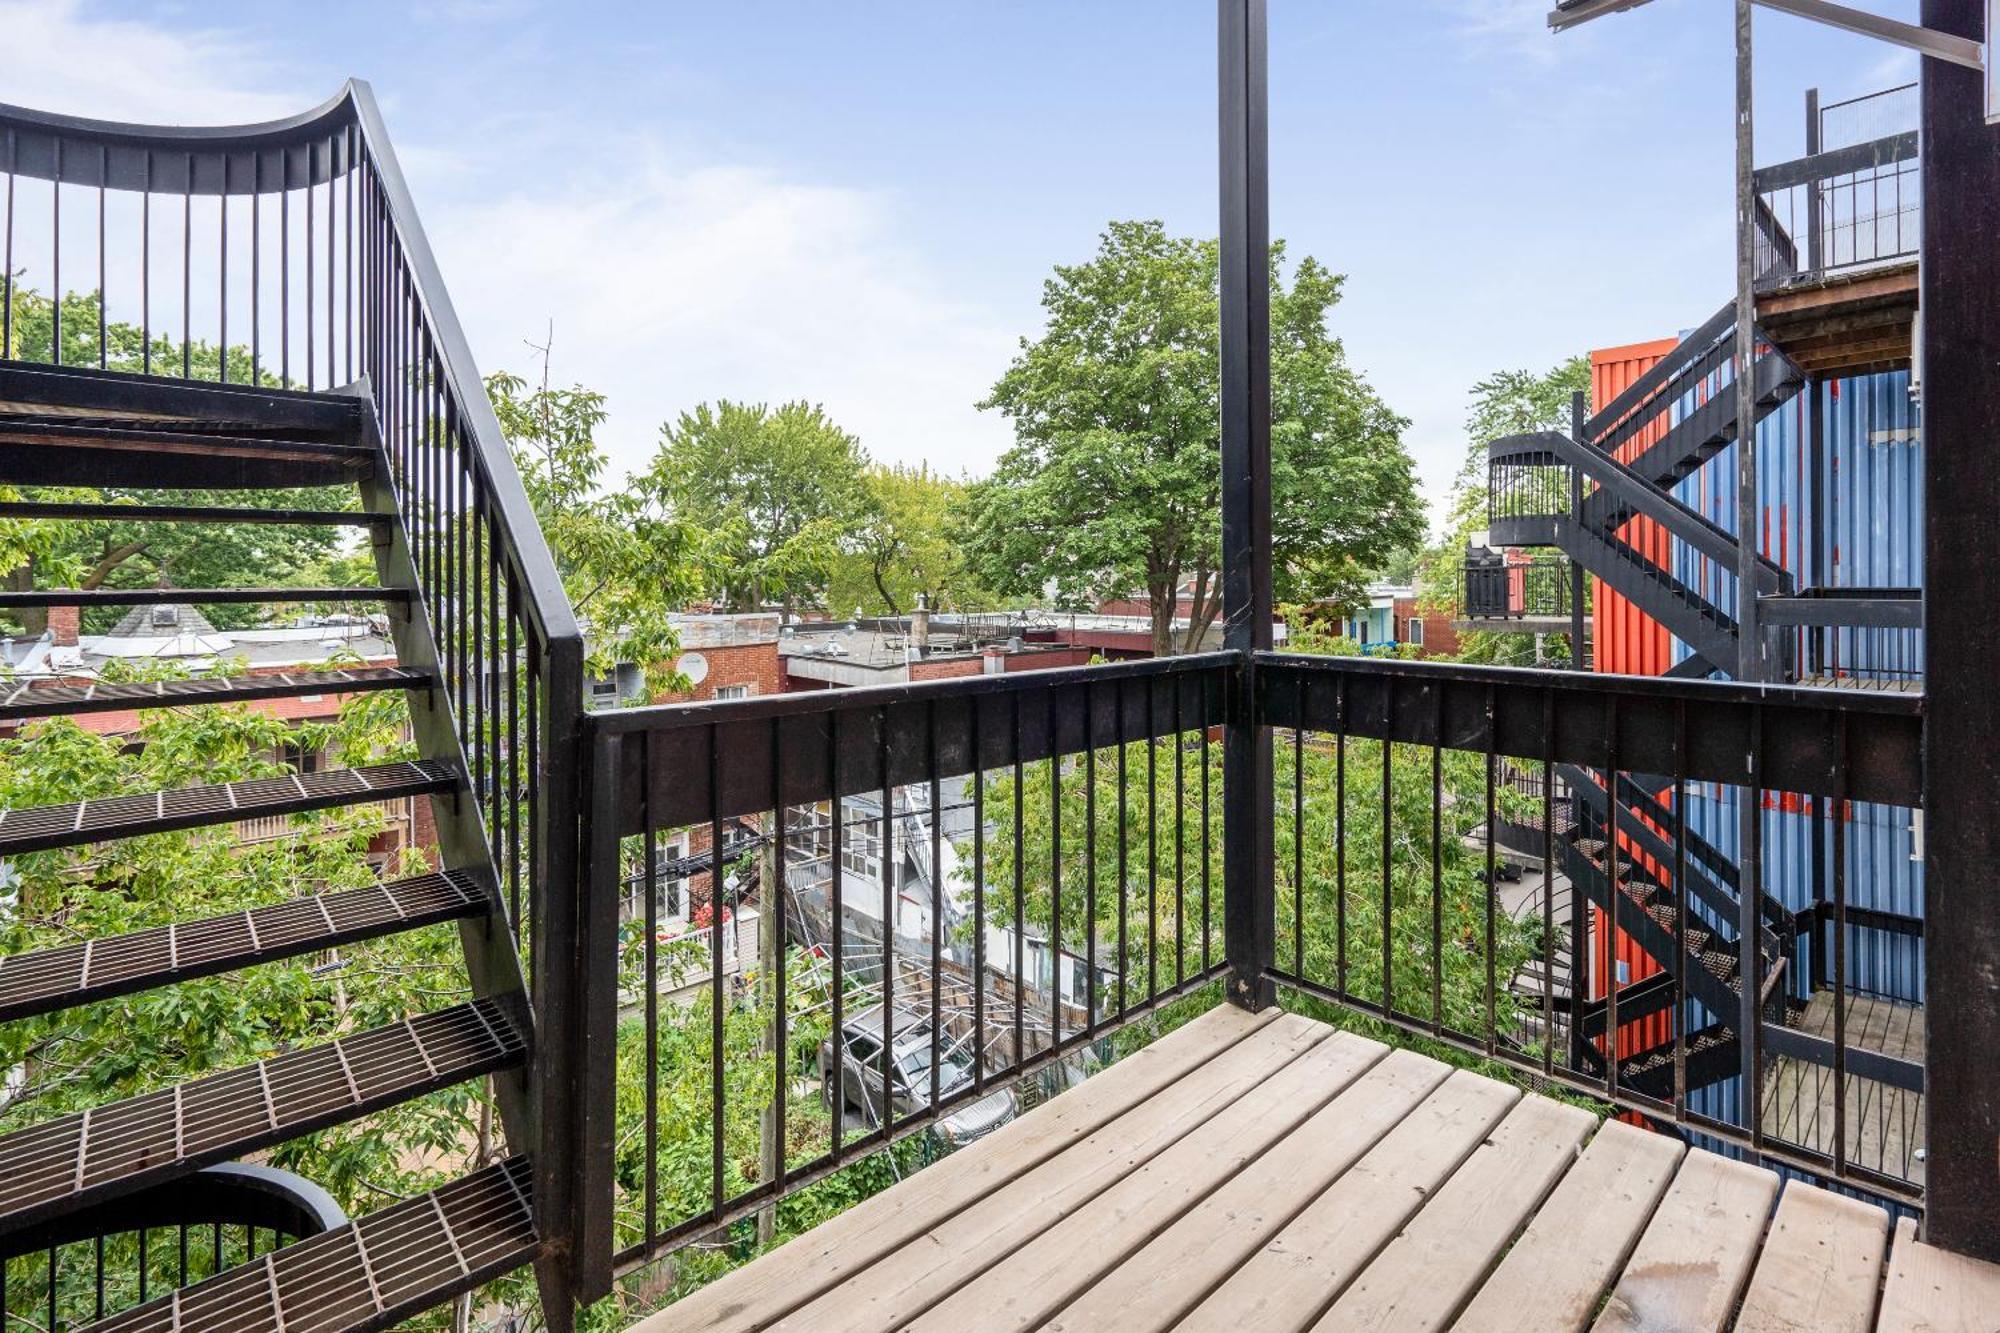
368,1275
27,700
38,983
39,828
58,511
77,1160
13,430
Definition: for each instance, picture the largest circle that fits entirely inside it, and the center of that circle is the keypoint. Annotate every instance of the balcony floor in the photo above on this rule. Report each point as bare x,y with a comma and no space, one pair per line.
1270,1173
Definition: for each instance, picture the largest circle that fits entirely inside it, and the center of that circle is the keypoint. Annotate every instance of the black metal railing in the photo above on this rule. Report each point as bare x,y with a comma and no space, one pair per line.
1002,872
289,256
1494,587
1416,758
1851,202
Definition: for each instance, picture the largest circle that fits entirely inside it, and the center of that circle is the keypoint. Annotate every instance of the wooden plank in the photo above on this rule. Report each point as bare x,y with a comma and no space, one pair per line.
757,1293
1935,1291
1035,1281
1299,1272
1554,1276
1428,1272
1821,1266
952,1250
1695,1256
1153,1288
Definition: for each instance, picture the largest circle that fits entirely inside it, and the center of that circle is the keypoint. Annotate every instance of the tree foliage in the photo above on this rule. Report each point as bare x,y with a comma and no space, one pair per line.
773,494
1114,480
900,546
626,562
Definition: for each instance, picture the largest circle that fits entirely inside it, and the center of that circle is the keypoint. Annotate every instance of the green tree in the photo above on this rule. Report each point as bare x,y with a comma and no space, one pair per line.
1114,480
626,562
772,493
1509,402
901,547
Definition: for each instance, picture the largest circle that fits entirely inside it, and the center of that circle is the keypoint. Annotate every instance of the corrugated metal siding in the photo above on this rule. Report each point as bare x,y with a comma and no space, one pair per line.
1624,641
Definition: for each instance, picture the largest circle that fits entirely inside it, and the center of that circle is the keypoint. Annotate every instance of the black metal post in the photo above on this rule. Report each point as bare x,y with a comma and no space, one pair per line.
1249,914
1961,327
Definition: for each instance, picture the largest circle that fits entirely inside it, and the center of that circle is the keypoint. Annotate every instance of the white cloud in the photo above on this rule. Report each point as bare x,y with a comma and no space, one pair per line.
675,283
61,58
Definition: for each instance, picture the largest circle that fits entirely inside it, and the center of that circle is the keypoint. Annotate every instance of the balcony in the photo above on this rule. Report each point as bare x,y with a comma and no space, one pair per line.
1514,593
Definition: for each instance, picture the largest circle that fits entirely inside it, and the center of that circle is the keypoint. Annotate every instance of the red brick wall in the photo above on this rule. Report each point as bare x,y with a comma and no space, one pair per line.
947,668
1440,639
752,664
1045,661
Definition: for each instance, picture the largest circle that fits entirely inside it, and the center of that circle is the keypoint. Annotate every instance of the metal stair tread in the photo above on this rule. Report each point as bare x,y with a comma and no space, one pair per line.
42,828
30,700
93,1155
54,979
200,596
374,1272
78,511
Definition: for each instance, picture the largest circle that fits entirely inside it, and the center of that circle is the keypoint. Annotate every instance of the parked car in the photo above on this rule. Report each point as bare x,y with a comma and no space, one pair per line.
860,1076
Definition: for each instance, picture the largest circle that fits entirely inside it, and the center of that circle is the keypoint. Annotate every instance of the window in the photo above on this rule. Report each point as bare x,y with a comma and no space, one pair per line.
1417,631
732,692
861,844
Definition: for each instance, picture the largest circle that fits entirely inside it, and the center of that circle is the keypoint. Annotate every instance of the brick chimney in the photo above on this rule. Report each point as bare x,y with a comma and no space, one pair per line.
64,624
920,625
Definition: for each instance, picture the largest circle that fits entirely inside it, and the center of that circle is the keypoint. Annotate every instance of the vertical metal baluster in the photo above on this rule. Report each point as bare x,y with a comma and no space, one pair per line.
285,268
1388,849
1055,878
837,819
222,275
1089,859
978,901
476,520
888,926
1437,861
55,240
7,345
330,250
1686,959
778,896
1839,804
650,859
718,1104
1749,922
1298,825
103,284
1152,843
256,268
1180,834
187,273
937,895
1548,889
513,765
98,1251
1124,876
144,1264
308,207
1340,833
1206,848
52,1290
1613,860
353,174
532,669
1492,878
1020,901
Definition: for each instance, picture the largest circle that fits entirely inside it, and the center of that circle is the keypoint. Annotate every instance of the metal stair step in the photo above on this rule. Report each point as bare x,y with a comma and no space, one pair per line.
54,979
83,1159
29,700
62,453
40,828
374,1272
54,511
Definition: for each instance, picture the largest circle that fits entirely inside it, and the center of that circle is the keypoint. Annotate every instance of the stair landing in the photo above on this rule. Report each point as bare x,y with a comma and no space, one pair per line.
1269,1172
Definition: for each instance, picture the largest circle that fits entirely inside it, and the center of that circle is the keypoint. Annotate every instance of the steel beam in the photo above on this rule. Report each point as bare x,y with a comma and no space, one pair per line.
1961,326
1249,924
1925,40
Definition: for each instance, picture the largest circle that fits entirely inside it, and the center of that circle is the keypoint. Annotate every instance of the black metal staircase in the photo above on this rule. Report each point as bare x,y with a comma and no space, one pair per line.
366,384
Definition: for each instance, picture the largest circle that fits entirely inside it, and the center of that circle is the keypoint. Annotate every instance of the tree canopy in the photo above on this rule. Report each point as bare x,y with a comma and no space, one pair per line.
900,545
773,493
1114,480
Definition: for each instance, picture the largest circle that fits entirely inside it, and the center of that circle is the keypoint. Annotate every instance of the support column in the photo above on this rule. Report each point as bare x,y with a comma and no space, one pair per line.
1249,918
1961,423
1577,416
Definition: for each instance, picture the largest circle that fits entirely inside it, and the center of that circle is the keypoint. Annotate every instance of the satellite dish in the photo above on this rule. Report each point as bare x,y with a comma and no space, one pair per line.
694,666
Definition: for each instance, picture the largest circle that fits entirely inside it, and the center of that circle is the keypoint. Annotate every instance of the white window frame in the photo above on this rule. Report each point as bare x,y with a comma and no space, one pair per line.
1416,638
727,692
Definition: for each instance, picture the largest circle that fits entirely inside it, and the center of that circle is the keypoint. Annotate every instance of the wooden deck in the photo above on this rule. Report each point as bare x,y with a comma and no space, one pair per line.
1885,1124
1268,1173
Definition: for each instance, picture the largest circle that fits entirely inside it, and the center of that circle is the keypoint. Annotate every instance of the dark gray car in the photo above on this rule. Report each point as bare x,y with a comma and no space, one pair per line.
910,1076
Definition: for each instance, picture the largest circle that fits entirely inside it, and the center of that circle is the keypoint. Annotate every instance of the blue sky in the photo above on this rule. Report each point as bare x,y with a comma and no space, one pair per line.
856,203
